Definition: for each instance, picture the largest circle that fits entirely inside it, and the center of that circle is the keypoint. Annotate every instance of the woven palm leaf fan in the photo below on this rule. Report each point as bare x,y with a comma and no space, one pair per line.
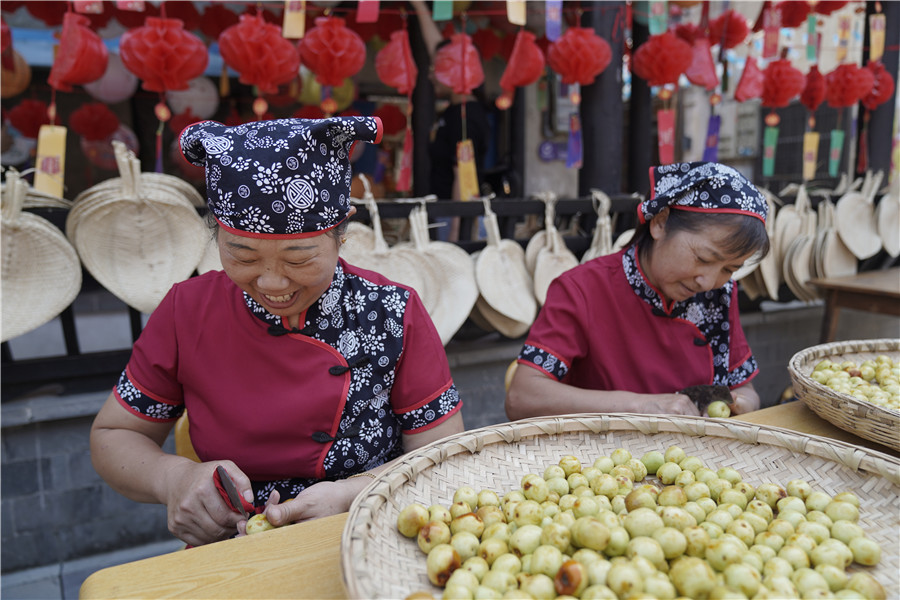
788,224
503,281
796,258
211,260
887,215
359,239
601,241
623,240
458,288
855,218
41,274
555,258
38,199
137,240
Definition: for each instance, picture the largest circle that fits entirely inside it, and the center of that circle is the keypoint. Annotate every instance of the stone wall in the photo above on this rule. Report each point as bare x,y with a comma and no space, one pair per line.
55,508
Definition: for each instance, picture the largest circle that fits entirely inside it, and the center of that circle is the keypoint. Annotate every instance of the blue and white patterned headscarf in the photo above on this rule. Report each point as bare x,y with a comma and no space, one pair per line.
703,187
286,178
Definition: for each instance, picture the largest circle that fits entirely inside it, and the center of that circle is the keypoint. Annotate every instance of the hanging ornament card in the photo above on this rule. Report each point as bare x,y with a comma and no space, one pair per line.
293,27
50,161
466,172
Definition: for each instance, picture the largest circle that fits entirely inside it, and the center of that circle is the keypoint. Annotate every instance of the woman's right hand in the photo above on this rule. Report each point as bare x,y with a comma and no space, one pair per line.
197,513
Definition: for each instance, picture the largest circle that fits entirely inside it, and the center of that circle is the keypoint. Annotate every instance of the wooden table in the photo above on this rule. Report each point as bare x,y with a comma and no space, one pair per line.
873,291
304,561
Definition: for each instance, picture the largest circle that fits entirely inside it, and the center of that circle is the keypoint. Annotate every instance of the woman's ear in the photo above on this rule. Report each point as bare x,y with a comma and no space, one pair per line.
351,212
658,224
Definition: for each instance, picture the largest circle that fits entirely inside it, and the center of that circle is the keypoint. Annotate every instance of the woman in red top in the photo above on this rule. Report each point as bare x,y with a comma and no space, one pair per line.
299,370
627,331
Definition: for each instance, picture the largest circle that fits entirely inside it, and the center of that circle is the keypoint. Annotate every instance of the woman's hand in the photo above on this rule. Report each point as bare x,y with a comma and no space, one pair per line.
669,404
745,399
322,499
197,513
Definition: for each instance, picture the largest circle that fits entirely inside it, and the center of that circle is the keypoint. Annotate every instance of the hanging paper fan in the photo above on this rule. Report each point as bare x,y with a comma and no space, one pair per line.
458,66
163,55
793,12
332,51
729,29
259,53
662,59
579,55
814,90
751,83
81,57
394,63
524,68
847,84
28,116
882,87
781,83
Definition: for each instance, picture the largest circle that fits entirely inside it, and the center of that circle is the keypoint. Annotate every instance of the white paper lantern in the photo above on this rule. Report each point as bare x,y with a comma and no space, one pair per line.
202,97
116,84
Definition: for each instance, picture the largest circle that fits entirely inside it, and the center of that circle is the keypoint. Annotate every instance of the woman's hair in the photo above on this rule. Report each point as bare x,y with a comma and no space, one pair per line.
748,233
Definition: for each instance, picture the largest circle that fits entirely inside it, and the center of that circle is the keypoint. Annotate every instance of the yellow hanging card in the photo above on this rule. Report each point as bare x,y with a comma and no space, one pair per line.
515,12
810,154
294,25
50,162
466,173
876,36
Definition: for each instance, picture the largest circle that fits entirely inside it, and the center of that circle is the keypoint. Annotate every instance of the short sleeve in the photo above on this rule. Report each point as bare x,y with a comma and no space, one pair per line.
423,393
149,386
557,337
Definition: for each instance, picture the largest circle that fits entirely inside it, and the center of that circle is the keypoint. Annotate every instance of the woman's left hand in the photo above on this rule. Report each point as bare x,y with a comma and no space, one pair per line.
320,500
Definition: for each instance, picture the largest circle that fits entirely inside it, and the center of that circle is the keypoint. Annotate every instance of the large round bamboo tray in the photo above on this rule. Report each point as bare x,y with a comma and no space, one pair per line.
867,420
378,562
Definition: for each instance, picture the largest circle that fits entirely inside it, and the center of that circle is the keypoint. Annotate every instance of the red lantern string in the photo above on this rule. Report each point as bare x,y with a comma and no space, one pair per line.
259,53
847,84
163,54
94,121
28,116
729,29
526,64
814,90
579,55
882,86
662,59
793,12
781,83
333,52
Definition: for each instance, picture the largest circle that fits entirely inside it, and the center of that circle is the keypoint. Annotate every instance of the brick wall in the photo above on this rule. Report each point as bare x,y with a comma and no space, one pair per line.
55,507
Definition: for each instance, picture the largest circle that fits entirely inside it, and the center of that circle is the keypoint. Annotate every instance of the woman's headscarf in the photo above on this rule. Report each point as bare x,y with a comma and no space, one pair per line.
703,187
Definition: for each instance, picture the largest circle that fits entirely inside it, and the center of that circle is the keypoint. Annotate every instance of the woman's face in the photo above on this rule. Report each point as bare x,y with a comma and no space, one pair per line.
685,263
284,276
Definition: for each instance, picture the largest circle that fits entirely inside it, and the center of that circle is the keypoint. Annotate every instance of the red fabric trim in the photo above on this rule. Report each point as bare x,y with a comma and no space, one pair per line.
137,414
276,236
380,132
247,506
528,363
456,409
437,394
652,287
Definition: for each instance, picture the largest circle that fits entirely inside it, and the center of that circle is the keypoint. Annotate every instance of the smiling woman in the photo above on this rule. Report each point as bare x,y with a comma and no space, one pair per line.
625,332
299,370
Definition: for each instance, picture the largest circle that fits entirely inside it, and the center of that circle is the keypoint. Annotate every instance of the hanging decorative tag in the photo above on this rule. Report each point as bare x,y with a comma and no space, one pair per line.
442,10
404,175
367,11
811,37
665,125
658,20
810,154
711,151
834,155
89,7
771,30
50,160
465,170
843,38
553,20
770,139
876,36
293,27
574,149
224,82
515,12
135,5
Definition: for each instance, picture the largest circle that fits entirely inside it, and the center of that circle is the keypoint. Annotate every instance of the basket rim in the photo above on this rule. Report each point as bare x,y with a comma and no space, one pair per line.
404,470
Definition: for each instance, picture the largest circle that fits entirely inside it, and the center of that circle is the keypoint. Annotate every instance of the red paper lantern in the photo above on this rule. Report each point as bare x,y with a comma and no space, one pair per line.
163,54
387,24
826,7
394,63
793,12
488,43
526,64
332,51
186,12
847,85
178,122
702,70
50,12
392,118
259,53
458,66
94,121
28,116
81,57
814,91
751,82
579,55
309,111
729,29
781,83
689,32
662,59
216,19
882,88
101,152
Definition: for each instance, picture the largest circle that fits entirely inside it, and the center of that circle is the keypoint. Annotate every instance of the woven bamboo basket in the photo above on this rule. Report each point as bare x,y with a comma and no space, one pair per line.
378,562
867,420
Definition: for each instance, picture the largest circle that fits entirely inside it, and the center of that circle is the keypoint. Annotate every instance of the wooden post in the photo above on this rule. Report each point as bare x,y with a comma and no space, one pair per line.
423,111
640,118
881,121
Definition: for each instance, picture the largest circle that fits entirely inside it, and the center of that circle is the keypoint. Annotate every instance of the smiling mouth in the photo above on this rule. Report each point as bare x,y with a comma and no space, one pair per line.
278,299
